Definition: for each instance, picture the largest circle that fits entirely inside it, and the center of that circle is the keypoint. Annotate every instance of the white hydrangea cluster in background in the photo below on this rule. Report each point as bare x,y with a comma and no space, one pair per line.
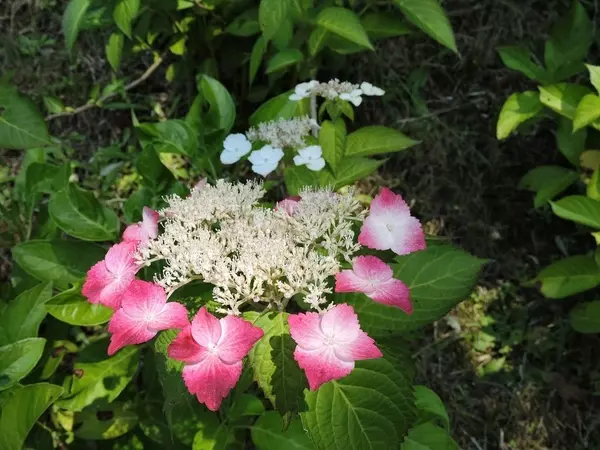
336,89
283,132
220,235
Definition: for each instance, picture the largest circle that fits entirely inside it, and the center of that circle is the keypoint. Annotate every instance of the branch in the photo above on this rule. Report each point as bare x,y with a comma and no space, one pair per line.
149,71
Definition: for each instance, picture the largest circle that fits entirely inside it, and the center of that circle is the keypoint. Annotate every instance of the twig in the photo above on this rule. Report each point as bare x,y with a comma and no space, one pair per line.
149,71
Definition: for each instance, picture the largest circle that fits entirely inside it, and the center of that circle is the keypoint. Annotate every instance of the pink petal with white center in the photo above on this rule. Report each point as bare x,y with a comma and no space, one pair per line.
393,293
321,365
341,322
288,205
126,330
238,336
145,230
206,328
372,268
119,258
306,330
211,380
363,347
185,348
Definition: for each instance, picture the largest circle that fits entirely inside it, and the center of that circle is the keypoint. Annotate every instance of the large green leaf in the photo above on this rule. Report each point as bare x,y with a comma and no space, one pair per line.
429,16
114,50
284,59
72,308
18,359
105,421
371,408
171,136
21,125
438,278
570,144
547,182
569,276
587,112
72,20
375,140
317,40
271,14
578,208
273,364
62,262
428,436
256,57
563,97
355,168
332,139
125,13
21,318
269,433
221,113
298,177
344,23
519,58
79,213
430,406
585,317
245,24
379,25
517,109
280,107
20,408
103,380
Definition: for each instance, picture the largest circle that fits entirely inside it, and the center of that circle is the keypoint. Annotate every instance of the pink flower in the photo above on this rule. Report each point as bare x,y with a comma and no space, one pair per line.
107,281
288,205
145,230
329,343
371,276
203,182
144,312
390,226
213,350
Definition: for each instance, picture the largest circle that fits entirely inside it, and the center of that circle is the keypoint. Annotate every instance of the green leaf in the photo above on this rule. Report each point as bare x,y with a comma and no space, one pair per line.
519,58
125,13
431,406
370,408
427,436
570,39
429,16
353,169
569,276
518,108
571,144
245,405
593,187
438,278
105,379
271,14
297,177
215,437
284,59
547,182
258,52
317,40
40,177
376,140
221,114
244,25
72,20
171,136
585,317
21,407
18,359
273,364
579,209
381,26
21,318
21,125
332,139
594,76
344,23
269,433
587,112
62,262
80,214
53,104
283,37
105,421
114,50
280,107
72,308
563,98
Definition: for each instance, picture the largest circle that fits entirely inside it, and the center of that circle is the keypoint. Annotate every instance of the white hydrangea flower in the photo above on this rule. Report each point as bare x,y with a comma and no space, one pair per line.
283,132
369,89
353,97
311,156
304,90
265,160
234,147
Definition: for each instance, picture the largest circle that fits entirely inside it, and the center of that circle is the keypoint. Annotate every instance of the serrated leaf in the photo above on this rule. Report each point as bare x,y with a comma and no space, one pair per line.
381,26
570,144
114,50
273,364
431,406
21,317
438,278
375,140
563,98
21,407
332,139
344,23
72,308
256,56
585,317
297,177
284,59
517,109
569,276
125,13
271,14
547,182
72,20
579,209
587,112
18,359
355,168
269,433
429,16
519,58
427,436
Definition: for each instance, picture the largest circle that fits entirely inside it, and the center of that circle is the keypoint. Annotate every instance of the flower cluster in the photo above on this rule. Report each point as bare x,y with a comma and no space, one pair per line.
283,132
334,89
256,258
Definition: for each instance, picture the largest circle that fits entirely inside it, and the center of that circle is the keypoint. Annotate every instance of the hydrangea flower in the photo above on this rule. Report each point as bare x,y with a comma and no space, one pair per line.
369,89
329,343
107,280
289,205
390,226
234,147
265,160
303,90
213,350
145,230
144,312
311,156
353,97
374,278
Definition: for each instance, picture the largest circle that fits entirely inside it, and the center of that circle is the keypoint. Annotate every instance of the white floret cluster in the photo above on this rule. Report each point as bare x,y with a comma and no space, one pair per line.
334,89
252,254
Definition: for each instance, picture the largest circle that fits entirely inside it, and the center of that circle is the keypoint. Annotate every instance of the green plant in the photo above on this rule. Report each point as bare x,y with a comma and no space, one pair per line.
576,109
